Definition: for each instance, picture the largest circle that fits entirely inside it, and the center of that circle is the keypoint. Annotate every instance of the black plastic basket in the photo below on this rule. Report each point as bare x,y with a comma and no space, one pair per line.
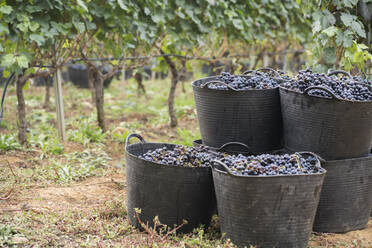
40,81
332,128
346,198
267,211
78,75
252,117
172,193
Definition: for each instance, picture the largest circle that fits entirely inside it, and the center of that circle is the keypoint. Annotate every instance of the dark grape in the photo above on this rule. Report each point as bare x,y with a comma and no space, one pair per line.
259,165
258,80
271,165
182,156
353,89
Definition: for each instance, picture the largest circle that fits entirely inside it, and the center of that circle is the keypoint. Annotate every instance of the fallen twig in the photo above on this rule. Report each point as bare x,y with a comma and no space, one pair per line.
36,210
11,169
7,195
55,170
152,231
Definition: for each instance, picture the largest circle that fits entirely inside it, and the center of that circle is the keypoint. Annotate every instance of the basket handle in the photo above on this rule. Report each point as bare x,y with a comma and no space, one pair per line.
312,154
318,87
263,69
339,72
220,82
221,166
269,69
134,135
248,72
224,146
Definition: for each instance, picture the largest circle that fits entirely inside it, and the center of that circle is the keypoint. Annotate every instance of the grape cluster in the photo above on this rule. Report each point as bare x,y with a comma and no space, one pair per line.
353,89
182,156
271,165
362,80
258,80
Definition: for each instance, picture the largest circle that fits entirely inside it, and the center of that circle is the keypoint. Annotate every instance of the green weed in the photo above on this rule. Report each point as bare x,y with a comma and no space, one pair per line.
48,144
120,135
186,137
77,166
7,235
44,136
86,133
9,142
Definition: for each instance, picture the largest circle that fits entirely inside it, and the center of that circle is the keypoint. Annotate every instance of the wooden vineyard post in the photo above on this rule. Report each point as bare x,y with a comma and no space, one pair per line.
153,73
59,105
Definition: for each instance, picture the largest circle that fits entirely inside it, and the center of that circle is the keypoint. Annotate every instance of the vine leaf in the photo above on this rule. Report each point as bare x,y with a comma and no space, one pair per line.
6,9
82,5
37,38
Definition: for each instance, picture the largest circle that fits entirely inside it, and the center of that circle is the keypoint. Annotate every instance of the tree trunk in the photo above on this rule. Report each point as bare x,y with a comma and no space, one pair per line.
47,92
21,111
99,89
183,75
257,59
140,87
274,62
91,79
172,92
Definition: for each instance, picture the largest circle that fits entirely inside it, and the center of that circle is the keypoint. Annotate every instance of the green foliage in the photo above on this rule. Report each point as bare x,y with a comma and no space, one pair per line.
43,135
49,145
33,30
186,137
340,30
86,133
120,135
80,165
9,142
6,234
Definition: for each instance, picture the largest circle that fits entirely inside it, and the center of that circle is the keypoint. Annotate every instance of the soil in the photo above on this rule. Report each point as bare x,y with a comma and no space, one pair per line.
90,193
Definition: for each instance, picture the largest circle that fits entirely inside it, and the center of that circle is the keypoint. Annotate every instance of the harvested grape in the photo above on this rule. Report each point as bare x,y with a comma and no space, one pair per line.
353,89
258,80
272,165
182,156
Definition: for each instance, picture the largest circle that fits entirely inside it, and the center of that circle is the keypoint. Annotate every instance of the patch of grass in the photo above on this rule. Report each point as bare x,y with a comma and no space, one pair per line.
77,166
7,232
44,136
104,226
48,143
9,142
186,137
120,134
86,132
201,238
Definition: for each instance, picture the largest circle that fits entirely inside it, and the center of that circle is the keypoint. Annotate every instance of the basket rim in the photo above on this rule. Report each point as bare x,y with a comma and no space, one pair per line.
281,89
331,162
210,78
271,176
274,176
158,165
